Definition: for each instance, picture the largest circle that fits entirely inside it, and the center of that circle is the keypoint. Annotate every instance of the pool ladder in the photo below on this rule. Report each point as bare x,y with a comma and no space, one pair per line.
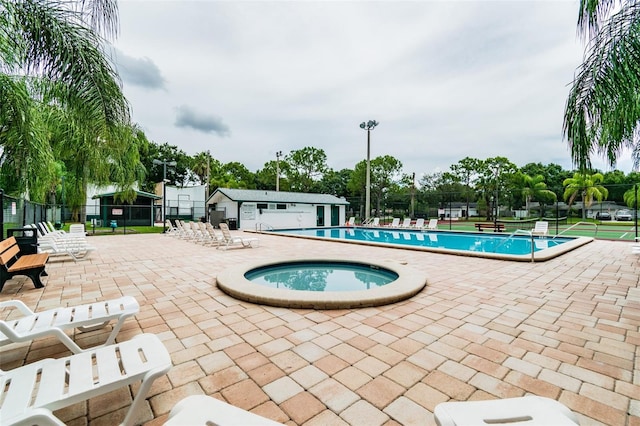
261,226
519,232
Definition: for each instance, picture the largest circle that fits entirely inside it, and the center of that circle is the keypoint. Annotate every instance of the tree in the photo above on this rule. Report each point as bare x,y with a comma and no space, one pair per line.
180,175
51,55
308,165
493,175
335,182
602,110
587,186
267,176
533,187
466,171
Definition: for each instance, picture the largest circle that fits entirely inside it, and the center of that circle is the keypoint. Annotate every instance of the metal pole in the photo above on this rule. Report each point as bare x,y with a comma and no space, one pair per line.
367,199
1,214
278,155
164,196
635,192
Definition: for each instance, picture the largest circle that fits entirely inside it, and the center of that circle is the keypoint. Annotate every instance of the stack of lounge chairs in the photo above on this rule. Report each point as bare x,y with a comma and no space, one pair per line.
60,243
206,234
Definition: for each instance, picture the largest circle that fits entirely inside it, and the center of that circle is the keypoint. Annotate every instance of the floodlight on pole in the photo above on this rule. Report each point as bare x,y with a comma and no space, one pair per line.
164,163
368,126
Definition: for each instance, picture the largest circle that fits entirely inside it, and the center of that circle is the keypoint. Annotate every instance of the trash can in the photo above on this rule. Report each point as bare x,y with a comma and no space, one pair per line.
233,223
27,239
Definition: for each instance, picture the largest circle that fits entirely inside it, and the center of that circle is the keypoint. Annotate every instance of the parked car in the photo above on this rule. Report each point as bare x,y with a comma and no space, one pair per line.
623,215
603,216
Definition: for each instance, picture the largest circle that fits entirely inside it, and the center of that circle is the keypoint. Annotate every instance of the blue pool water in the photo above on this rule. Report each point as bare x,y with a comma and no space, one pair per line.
461,241
321,276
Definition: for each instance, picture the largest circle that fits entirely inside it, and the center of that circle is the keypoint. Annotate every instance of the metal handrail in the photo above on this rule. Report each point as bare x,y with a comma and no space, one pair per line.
260,226
576,224
519,232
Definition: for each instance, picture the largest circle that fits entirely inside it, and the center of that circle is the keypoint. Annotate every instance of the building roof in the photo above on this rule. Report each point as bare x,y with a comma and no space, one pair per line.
259,195
138,193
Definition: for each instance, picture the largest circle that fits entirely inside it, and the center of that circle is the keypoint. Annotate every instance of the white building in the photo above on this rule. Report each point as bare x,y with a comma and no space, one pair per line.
252,208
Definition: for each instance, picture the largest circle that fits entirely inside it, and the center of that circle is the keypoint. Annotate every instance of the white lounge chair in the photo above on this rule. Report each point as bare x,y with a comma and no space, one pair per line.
32,325
231,241
76,249
29,394
406,223
541,228
419,223
375,221
351,221
529,410
394,223
432,225
202,410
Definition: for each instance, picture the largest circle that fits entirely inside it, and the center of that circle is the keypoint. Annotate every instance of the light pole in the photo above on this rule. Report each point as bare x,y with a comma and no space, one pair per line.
164,163
278,155
368,126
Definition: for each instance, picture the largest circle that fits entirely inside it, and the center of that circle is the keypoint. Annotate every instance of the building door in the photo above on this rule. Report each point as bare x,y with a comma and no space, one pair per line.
335,216
320,216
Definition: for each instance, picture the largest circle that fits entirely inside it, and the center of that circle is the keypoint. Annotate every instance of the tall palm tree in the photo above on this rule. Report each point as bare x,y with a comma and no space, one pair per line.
587,186
535,187
603,107
52,54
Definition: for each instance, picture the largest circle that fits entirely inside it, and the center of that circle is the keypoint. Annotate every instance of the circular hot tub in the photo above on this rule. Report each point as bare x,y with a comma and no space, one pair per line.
321,283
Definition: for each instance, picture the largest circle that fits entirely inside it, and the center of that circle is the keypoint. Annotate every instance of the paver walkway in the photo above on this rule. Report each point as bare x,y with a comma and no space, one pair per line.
567,329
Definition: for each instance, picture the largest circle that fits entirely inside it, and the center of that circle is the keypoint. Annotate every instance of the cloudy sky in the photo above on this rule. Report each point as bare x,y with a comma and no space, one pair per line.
445,79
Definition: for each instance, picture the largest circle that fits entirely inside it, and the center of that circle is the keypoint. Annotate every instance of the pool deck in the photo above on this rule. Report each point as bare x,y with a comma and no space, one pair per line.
568,329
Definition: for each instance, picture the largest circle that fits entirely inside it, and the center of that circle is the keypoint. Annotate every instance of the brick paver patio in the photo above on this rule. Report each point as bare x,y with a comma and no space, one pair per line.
567,329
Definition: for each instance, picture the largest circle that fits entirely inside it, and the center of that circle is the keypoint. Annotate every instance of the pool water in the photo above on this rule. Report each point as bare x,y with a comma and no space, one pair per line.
321,276
461,241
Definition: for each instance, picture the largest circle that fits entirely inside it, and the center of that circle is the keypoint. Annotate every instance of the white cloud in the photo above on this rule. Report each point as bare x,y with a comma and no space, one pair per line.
446,80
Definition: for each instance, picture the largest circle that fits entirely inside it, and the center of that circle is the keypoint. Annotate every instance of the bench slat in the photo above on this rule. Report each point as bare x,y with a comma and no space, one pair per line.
29,261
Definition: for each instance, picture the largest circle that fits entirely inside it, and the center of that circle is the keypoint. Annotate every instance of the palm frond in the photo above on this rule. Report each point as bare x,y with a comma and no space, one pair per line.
603,107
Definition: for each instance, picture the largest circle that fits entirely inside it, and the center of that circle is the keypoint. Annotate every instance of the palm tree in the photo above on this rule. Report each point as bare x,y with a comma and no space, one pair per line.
51,55
534,187
587,186
603,107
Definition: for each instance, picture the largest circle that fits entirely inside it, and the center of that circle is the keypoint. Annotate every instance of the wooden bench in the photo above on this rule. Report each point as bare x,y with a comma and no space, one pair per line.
496,227
12,263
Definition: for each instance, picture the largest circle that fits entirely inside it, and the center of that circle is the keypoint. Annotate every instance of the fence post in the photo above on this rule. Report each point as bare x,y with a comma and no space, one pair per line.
1,214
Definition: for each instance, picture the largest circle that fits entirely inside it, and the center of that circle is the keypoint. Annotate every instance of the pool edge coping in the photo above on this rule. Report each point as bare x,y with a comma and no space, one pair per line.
539,256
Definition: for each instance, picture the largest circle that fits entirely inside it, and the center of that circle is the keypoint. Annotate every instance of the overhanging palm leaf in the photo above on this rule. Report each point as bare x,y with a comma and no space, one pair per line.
603,107
55,46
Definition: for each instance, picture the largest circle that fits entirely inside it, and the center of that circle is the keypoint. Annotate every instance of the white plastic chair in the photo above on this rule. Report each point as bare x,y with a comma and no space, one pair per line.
406,223
433,224
395,222
29,394
202,410
419,223
527,410
32,325
541,228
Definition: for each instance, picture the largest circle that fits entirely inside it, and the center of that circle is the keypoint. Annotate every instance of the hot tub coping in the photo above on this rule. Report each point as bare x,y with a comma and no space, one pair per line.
232,281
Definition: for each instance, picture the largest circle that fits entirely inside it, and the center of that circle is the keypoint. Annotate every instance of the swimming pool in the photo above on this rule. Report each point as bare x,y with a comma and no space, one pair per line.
501,246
